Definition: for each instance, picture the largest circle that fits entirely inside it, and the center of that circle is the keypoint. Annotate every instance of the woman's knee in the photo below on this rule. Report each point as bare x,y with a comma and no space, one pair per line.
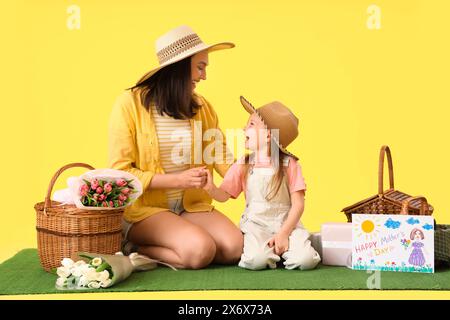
198,251
230,251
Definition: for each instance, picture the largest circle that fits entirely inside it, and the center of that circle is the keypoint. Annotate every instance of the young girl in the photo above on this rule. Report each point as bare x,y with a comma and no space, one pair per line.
274,190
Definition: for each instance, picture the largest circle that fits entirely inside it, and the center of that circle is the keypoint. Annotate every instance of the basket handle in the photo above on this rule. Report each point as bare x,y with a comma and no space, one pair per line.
385,151
423,206
47,203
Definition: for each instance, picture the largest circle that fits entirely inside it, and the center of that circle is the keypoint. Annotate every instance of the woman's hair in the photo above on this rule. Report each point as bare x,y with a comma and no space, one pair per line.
277,179
170,89
413,233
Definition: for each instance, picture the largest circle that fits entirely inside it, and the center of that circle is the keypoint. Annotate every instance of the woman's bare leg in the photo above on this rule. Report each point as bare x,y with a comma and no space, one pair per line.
170,238
227,236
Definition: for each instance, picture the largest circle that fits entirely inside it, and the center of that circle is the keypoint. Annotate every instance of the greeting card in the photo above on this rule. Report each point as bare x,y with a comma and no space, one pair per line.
402,243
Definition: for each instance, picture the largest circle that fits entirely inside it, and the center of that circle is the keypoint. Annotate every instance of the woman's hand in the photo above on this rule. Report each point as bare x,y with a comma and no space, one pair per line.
280,243
192,178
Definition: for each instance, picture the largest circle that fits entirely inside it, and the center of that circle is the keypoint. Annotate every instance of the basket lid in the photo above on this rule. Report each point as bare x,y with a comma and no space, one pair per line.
58,208
398,197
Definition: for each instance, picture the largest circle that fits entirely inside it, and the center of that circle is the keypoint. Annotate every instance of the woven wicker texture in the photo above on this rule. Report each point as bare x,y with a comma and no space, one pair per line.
442,242
63,230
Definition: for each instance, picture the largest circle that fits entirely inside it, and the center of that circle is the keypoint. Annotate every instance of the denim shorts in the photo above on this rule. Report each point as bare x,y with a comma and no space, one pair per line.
176,206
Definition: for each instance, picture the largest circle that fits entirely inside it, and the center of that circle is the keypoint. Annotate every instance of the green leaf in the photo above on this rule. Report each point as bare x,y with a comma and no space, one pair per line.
102,267
82,255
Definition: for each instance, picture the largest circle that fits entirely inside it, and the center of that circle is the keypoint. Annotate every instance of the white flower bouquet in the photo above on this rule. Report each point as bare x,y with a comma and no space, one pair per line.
94,271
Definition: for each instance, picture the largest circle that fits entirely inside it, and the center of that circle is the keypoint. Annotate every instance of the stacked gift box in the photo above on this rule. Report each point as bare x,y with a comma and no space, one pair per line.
334,243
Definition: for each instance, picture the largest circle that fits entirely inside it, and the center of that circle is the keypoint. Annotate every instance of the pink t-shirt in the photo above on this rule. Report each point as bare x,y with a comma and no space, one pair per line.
233,182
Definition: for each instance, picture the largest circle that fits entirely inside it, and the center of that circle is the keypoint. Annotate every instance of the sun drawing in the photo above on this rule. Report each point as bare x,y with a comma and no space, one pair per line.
367,227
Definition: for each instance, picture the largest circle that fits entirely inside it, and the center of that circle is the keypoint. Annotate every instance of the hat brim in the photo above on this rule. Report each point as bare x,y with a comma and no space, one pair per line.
209,48
251,109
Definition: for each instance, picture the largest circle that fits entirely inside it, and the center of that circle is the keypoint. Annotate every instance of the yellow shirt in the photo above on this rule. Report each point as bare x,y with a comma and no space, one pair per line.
133,147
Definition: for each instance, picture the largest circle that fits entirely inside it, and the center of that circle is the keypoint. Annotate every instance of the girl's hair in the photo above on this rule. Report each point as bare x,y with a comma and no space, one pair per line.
277,179
413,233
170,89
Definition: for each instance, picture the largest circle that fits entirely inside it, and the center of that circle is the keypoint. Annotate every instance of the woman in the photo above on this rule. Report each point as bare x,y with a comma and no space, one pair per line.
173,221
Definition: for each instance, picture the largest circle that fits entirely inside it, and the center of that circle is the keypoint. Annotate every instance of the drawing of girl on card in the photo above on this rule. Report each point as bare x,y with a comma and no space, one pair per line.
417,258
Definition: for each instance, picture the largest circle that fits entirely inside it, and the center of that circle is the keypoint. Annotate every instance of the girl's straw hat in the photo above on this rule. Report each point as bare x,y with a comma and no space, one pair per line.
276,115
177,44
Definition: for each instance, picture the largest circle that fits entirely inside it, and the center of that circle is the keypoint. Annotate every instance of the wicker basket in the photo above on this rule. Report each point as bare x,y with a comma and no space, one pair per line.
442,243
389,201
63,230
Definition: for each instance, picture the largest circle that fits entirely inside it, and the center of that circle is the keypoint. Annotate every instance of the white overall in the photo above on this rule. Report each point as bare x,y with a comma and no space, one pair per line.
262,219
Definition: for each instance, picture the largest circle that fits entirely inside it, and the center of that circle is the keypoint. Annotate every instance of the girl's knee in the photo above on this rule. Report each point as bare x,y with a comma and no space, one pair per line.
305,258
198,252
309,260
259,260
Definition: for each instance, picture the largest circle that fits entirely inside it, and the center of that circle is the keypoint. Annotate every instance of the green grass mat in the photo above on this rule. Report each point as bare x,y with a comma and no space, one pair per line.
22,274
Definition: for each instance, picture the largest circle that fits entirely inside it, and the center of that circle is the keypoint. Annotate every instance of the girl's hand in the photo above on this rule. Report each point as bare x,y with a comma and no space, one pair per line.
192,178
214,192
280,242
209,184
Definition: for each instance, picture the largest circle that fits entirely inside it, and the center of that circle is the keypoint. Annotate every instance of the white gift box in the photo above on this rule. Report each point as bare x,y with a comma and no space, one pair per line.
336,243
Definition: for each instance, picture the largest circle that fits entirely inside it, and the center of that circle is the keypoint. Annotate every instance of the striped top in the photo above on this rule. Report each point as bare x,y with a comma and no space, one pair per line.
174,137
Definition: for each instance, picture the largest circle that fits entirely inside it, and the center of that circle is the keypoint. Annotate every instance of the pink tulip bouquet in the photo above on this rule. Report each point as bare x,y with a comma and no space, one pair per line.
106,193
100,189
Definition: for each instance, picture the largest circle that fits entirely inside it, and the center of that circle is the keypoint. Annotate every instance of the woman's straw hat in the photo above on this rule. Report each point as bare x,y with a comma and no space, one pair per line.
276,115
177,44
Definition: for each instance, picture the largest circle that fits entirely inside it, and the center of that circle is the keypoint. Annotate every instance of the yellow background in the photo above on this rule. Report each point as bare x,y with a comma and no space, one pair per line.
353,88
